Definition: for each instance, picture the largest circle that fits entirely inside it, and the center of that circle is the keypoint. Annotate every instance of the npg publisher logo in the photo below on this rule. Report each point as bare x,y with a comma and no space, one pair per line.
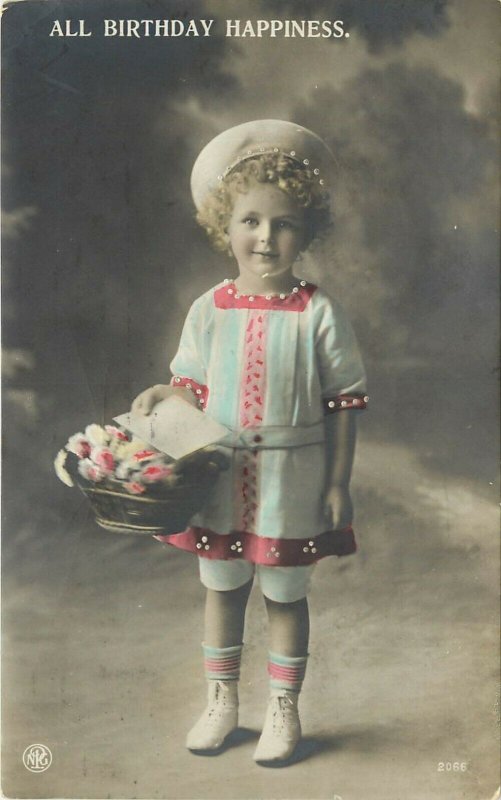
37,758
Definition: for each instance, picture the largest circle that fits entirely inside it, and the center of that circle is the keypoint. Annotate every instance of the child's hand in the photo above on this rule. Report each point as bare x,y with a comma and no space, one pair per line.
144,402
339,508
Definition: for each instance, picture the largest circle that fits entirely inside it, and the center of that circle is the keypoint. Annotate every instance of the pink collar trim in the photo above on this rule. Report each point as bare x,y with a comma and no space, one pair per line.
228,296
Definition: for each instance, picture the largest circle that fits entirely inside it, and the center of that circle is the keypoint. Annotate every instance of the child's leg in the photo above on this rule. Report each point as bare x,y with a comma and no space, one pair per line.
224,625
225,616
289,627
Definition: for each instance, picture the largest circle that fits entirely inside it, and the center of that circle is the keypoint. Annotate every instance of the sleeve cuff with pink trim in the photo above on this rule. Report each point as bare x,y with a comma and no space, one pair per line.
344,402
200,390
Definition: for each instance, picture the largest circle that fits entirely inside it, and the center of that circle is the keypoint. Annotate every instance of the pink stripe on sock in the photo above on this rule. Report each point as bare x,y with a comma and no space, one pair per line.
291,674
283,668
279,668
225,660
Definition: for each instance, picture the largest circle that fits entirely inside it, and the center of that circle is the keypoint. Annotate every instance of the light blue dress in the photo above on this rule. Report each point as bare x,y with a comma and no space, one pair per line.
268,368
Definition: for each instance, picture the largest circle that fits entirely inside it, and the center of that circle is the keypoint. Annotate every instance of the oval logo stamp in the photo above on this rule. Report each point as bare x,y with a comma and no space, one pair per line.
37,758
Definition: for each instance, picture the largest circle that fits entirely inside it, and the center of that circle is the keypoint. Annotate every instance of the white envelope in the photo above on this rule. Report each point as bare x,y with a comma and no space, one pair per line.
175,427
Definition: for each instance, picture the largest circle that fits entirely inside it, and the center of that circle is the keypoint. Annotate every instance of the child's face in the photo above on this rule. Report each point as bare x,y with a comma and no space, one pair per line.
266,230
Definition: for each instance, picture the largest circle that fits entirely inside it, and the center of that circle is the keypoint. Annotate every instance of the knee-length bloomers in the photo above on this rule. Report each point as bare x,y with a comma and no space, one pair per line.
269,368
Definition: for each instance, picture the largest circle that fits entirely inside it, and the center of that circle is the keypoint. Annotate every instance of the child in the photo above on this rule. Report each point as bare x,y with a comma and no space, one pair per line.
274,359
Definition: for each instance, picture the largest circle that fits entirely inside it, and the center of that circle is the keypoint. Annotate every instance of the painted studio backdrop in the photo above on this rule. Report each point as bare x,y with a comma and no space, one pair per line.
102,258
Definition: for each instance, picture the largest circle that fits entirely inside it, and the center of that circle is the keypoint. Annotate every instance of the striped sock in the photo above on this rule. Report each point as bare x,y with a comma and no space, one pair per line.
222,663
286,672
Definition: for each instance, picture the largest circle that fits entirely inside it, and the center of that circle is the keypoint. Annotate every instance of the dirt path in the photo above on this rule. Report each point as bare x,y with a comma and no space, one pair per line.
102,659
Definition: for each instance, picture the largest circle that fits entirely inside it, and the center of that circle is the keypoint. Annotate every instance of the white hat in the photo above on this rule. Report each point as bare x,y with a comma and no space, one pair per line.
229,148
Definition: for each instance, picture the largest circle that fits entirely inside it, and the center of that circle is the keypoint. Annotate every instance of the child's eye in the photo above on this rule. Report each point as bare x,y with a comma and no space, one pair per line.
250,221
285,224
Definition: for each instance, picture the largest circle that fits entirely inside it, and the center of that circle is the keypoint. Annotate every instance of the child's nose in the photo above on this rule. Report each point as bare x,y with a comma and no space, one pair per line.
265,232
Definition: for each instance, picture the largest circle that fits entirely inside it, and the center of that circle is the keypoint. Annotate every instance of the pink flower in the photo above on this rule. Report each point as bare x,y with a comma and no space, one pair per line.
103,458
155,472
78,445
134,487
90,471
116,433
145,455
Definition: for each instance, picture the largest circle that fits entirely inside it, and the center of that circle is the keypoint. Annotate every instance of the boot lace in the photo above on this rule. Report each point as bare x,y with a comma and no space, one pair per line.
218,702
284,713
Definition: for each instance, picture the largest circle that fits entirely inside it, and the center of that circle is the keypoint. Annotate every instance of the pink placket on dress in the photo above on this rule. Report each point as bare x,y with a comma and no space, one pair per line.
252,396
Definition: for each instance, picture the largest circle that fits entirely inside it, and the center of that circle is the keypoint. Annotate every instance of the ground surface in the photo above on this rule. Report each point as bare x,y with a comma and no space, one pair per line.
102,657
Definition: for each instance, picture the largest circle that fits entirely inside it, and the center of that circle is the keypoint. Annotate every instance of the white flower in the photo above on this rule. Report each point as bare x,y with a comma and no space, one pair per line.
90,471
116,433
97,435
125,468
125,450
59,466
78,445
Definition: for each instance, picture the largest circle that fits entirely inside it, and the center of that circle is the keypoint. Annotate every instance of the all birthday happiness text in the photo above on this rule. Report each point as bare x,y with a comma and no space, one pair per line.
174,28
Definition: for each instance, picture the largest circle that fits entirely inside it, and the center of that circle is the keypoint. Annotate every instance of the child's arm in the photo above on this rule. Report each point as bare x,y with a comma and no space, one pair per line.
145,401
340,437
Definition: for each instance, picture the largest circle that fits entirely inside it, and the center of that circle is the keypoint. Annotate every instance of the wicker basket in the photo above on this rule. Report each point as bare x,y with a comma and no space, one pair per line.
164,509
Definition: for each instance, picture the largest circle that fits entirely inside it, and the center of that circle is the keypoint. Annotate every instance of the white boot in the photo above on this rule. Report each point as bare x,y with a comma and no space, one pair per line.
282,728
219,719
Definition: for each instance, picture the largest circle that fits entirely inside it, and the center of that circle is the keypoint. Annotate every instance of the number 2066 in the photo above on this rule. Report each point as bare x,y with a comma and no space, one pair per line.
452,766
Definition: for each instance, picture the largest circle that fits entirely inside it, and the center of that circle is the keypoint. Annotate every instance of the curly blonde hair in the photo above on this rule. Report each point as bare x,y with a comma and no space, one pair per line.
276,168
